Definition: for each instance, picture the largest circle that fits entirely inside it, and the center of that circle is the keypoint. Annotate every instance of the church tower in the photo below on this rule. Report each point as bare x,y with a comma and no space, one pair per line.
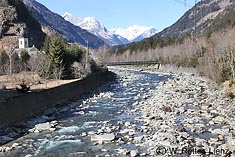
23,41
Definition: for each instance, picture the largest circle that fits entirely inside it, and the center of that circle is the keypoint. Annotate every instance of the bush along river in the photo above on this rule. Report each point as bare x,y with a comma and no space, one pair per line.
141,114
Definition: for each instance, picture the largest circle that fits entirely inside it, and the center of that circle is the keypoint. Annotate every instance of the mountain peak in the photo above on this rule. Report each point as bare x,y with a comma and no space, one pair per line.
136,32
91,19
114,36
92,25
66,14
53,22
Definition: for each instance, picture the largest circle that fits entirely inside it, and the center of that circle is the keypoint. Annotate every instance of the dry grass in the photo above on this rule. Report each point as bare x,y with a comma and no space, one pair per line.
32,80
10,83
230,88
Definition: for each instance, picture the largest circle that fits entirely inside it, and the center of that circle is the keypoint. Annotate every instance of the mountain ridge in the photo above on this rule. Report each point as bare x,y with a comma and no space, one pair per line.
135,33
113,36
196,20
92,25
201,20
53,22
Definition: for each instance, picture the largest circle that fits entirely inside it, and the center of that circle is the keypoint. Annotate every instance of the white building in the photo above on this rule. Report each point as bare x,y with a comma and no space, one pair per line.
23,41
24,44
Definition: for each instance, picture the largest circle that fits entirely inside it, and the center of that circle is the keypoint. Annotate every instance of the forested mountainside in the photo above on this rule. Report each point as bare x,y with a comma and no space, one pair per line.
201,20
205,42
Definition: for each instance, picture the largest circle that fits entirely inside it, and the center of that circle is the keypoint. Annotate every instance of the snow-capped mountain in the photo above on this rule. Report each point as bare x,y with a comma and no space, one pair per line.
95,27
115,36
135,33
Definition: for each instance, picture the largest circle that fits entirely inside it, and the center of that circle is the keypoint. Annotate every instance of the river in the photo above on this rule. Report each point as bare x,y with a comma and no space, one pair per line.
104,109
140,114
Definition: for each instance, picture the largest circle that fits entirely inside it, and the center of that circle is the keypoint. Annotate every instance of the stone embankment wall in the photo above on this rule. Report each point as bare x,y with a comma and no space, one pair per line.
19,108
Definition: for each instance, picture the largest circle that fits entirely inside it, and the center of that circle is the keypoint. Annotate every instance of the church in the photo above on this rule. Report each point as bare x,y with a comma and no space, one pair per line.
23,44
23,41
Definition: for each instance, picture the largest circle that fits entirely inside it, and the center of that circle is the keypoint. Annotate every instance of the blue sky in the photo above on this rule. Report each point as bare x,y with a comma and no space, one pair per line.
124,13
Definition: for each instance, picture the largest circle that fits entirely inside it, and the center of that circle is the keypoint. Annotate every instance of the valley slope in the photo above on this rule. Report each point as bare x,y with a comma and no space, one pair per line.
52,22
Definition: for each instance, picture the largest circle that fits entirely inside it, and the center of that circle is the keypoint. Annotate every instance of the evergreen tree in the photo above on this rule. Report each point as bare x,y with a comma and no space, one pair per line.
55,50
3,61
24,58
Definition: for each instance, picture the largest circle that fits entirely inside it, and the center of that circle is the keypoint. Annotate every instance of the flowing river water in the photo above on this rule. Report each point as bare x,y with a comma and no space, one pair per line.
87,115
139,114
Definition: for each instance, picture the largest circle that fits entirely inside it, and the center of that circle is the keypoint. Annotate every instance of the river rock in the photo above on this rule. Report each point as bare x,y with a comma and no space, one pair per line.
125,131
134,153
135,103
104,137
91,133
167,109
218,119
7,149
43,127
122,151
221,138
15,145
83,134
231,141
127,124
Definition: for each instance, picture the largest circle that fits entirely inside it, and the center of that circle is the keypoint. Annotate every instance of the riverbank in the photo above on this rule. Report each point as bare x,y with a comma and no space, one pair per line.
191,114
188,115
15,110
178,115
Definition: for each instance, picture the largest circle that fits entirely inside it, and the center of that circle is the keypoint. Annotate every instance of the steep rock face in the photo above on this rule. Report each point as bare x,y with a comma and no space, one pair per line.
8,33
13,16
53,22
8,14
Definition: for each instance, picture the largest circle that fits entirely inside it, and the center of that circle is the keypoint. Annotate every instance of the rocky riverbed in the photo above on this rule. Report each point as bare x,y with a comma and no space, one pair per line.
142,115
190,115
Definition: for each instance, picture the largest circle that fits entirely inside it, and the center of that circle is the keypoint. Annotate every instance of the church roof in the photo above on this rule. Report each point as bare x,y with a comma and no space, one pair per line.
31,50
22,33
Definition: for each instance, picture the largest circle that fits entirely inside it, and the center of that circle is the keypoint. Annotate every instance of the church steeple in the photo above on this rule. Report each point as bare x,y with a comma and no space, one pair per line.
23,41
22,33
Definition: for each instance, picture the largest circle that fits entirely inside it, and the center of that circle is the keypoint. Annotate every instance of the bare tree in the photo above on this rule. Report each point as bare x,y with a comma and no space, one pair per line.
10,54
78,70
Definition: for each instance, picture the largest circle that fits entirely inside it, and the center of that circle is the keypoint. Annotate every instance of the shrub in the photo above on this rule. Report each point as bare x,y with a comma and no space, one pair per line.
231,82
78,70
226,74
231,95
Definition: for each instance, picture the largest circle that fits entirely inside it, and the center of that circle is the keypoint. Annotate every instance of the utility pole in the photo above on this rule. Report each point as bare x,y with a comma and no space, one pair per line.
103,54
194,12
87,54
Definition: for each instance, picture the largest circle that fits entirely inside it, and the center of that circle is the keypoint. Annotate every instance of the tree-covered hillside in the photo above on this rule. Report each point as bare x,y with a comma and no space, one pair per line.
201,20
209,47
